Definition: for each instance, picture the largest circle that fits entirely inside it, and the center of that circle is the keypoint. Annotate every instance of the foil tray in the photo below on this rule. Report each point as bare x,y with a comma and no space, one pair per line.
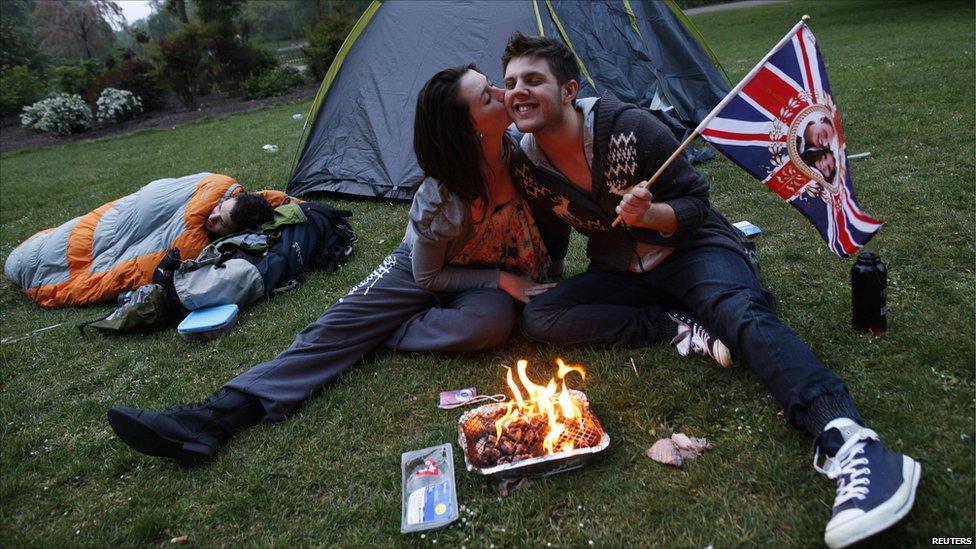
535,467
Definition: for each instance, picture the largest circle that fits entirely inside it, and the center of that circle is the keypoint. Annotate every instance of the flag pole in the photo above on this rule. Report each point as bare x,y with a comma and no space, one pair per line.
718,108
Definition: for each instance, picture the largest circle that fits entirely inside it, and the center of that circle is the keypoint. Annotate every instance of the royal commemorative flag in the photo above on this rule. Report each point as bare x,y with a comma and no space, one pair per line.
781,125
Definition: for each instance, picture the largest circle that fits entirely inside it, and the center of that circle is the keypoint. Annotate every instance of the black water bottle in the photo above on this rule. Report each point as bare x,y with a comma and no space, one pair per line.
869,286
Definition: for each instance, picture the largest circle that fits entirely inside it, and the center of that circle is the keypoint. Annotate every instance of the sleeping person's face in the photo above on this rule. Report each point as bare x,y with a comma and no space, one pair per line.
219,222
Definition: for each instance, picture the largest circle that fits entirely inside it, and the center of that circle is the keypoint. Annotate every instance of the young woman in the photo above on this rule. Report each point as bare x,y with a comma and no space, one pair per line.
470,249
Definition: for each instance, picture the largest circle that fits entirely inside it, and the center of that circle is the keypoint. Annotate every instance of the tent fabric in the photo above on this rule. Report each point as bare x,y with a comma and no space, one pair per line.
117,246
360,132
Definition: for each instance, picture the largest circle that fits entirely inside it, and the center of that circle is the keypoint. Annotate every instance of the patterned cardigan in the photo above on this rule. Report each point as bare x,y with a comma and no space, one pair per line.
629,145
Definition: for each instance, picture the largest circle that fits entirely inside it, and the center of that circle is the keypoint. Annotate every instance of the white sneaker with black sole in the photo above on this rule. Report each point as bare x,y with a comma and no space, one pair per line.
875,486
694,338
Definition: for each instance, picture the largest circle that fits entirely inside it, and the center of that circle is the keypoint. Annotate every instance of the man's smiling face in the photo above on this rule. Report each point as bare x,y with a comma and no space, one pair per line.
533,98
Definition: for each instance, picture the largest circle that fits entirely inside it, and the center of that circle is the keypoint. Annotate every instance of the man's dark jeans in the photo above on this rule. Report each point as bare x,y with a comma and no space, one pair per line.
626,309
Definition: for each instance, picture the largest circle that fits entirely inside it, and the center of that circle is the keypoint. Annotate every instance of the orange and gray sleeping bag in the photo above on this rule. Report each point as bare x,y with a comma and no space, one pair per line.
117,246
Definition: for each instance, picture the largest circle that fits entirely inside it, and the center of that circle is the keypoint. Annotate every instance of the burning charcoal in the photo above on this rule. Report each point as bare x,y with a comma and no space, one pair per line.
592,438
506,445
521,457
490,457
483,445
504,459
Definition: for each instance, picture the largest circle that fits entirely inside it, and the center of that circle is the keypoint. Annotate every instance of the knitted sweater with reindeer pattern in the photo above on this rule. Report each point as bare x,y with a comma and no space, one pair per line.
629,145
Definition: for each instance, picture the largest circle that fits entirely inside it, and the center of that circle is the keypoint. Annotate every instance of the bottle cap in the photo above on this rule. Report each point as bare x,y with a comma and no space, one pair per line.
868,257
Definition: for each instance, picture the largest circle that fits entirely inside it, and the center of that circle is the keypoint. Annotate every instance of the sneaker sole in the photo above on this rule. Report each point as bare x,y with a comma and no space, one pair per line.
882,516
146,441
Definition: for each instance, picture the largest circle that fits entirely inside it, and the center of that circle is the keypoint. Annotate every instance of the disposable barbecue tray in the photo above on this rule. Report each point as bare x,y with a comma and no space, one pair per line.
536,466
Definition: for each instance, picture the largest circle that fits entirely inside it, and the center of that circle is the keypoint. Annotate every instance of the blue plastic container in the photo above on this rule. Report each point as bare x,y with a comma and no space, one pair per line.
208,323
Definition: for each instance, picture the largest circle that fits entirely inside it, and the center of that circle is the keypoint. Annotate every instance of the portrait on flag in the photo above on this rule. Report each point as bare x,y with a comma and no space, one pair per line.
782,126
814,146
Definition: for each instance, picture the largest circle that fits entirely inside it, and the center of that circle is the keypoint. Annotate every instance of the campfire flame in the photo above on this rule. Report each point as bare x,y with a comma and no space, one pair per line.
551,401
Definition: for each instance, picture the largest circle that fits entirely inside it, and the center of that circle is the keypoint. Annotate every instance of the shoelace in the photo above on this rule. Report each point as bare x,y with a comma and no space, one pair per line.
195,405
700,340
846,463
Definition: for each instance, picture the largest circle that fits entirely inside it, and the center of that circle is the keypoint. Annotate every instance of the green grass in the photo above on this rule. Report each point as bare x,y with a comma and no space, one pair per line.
902,75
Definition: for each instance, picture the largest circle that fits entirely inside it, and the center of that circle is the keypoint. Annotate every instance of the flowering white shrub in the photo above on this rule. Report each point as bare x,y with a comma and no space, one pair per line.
64,113
115,105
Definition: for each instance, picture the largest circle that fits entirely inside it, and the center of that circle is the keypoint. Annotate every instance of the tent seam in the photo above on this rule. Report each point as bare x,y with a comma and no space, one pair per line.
569,43
697,35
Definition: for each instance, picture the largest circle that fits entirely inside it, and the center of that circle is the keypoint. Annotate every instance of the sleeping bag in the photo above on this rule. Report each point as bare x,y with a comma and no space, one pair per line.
238,268
117,246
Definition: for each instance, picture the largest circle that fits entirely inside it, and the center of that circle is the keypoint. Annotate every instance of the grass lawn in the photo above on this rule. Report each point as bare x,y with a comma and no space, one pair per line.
902,74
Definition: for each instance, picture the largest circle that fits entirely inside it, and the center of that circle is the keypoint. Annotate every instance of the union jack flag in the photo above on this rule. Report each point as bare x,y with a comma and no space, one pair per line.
781,125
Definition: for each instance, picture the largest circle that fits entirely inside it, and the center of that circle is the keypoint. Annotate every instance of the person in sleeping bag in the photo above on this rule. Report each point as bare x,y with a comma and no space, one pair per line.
117,246
471,251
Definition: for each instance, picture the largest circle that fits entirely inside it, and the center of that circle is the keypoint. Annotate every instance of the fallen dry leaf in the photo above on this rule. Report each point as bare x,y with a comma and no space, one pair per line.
677,449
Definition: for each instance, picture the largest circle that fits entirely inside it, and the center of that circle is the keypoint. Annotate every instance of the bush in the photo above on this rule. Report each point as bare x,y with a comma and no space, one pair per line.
116,105
77,78
137,75
19,86
64,113
182,62
235,61
324,41
273,83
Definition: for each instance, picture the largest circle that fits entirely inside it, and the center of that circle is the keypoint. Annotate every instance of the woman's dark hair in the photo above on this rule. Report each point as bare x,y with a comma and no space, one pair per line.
445,140
810,157
250,211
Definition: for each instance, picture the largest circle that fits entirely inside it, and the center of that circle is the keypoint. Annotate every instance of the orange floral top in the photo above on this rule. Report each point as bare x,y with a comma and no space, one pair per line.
507,238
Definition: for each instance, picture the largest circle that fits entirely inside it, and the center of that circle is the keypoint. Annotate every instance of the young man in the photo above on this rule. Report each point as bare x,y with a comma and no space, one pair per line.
582,160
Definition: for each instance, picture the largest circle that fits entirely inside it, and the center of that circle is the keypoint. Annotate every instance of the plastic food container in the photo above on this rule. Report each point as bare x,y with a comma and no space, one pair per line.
208,323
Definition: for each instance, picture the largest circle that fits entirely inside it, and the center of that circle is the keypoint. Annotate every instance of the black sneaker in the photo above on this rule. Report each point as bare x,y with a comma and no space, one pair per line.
693,338
875,486
165,276
191,433
167,266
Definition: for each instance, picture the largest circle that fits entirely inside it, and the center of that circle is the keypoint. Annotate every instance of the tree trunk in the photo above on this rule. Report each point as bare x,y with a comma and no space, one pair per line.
181,11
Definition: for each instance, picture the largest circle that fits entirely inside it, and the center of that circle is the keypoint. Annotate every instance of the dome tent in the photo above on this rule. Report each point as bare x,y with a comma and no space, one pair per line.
358,137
